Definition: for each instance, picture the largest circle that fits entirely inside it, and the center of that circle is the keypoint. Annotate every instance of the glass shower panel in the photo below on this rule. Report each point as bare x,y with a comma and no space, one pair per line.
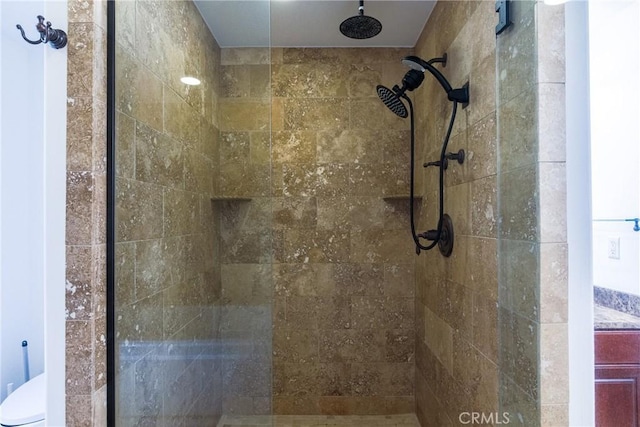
518,225
192,216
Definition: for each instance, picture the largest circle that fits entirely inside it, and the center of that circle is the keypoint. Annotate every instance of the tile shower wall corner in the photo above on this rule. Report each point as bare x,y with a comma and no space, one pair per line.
457,354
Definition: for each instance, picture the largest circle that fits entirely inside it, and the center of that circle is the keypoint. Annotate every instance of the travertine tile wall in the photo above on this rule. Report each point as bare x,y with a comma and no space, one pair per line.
246,235
85,224
491,320
341,274
167,260
457,360
343,267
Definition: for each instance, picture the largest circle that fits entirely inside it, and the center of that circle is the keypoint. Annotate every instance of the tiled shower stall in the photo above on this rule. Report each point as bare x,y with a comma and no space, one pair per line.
264,264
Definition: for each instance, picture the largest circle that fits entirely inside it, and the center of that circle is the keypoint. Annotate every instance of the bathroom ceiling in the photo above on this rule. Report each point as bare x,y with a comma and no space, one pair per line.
311,23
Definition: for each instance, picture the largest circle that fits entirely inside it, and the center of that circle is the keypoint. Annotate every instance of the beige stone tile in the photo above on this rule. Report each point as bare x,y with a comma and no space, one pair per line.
246,284
382,379
399,280
245,56
521,407
554,365
294,147
244,114
400,345
485,326
482,153
482,90
142,96
362,79
78,409
296,346
381,246
518,131
100,407
382,312
553,283
124,272
125,146
295,405
79,130
457,204
158,158
311,379
316,246
141,320
456,307
294,212
519,207
366,213
235,147
316,114
333,212
477,374
317,80
347,146
519,269
181,121
152,276
197,173
304,279
277,113
550,43
517,55
553,202
235,81
181,210
482,269
439,339
80,59
244,180
126,28
350,345
260,147
366,179
554,415
358,279
80,196
551,123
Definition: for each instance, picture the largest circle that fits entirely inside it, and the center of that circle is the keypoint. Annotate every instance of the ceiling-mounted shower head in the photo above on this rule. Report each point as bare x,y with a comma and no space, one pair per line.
360,26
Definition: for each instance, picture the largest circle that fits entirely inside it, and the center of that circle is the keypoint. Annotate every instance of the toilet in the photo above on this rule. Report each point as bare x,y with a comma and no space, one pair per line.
25,406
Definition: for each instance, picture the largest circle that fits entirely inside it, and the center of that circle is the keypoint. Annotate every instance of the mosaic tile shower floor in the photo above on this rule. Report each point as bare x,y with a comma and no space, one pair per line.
402,420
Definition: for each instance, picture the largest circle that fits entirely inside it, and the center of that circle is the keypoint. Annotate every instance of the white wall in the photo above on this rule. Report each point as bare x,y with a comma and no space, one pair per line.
614,43
32,199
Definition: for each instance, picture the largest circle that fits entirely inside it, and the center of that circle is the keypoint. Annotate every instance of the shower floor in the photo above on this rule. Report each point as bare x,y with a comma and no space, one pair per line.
402,420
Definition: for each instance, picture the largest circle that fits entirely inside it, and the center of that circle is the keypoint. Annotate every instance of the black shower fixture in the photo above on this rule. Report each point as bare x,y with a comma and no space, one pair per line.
392,98
360,26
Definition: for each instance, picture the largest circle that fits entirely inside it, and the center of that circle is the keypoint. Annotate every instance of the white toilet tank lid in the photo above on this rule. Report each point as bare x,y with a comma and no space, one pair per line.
25,405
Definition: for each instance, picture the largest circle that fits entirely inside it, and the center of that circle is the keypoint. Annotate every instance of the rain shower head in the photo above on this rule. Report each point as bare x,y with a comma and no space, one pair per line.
391,98
392,101
360,26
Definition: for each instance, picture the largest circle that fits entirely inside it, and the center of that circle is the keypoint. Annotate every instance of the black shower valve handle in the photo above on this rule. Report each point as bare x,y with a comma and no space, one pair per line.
426,165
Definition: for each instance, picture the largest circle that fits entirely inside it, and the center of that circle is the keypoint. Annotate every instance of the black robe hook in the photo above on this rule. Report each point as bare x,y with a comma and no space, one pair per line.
58,38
